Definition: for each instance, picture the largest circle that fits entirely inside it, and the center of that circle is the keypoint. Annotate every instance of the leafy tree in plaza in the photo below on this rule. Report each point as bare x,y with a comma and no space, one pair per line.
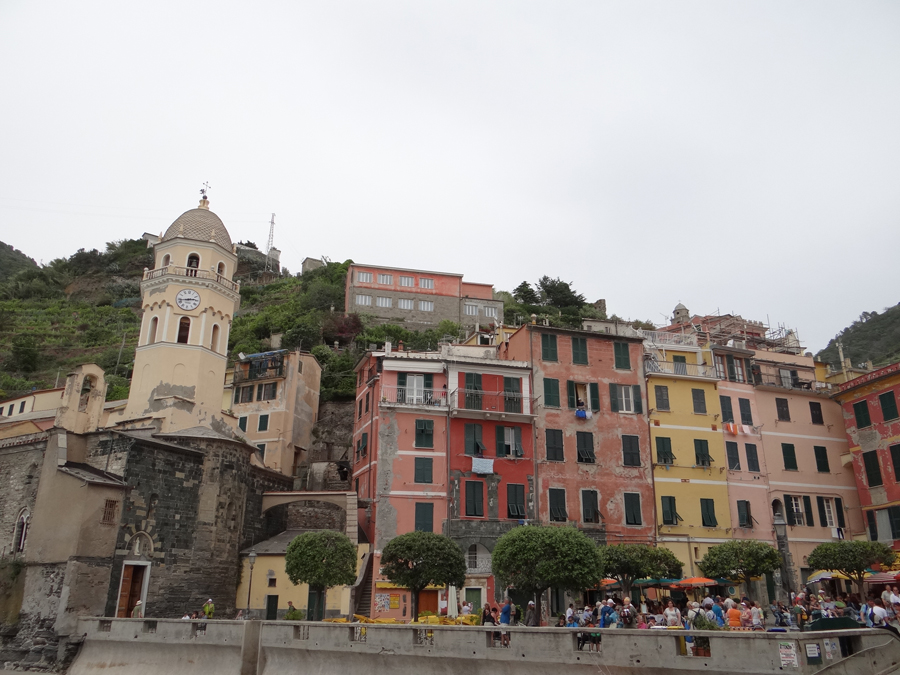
416,560
628,562
741,560
322,560
525,294
534,558
851,557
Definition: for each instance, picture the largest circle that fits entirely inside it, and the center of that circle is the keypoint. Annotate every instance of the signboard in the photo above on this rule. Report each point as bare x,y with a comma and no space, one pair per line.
788,653
395,601
813,653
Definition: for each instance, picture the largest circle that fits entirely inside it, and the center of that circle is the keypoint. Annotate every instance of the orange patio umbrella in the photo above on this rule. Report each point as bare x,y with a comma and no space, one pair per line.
693,582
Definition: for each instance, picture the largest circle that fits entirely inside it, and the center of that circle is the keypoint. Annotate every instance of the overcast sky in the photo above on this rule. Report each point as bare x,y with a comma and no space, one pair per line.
735,156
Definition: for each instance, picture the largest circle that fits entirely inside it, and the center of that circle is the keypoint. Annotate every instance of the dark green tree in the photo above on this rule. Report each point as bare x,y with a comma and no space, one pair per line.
851,557
416,560
322,560
24,353
628,562
525,294
534,558
741,560
558,293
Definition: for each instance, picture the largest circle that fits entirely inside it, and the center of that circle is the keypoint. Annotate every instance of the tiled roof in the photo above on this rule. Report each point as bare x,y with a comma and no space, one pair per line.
199,224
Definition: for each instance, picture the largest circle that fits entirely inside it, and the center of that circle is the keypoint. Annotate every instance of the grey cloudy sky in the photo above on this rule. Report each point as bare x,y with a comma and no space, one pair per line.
734,156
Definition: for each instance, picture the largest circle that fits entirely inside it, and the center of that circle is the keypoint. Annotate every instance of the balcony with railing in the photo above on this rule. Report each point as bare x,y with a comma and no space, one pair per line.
501,402
259,369
669,339
761,379
173,270
414,396
682,369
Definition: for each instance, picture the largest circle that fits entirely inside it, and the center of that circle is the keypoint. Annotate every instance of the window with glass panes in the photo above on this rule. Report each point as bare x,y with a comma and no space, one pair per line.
267,391
625,398
826,512
793,506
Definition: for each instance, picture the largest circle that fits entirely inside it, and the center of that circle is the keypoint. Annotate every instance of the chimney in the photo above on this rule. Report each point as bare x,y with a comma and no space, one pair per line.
400,346
387,348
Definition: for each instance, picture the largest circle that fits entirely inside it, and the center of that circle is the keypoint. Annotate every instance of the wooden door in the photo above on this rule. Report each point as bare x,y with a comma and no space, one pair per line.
271,608
124,591
428,602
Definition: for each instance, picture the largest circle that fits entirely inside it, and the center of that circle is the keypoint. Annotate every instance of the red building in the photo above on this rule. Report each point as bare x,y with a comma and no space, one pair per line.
873,431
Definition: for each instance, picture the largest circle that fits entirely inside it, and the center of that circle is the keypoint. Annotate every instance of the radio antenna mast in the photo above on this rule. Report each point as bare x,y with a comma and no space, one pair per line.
271,242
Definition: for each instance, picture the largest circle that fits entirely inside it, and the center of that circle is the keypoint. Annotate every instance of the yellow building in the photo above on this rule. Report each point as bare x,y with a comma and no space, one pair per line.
689,467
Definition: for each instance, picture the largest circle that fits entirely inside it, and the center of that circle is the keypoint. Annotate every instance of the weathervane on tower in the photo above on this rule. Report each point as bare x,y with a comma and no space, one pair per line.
206,188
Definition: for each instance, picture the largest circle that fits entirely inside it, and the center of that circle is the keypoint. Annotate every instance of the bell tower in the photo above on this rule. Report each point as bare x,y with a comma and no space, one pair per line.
188,301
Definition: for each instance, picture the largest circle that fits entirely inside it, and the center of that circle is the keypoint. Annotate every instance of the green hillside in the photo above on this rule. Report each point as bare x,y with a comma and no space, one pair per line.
873,337
12,261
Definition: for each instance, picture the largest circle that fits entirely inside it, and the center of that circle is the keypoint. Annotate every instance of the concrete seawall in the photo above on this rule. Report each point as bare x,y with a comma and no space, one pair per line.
162,647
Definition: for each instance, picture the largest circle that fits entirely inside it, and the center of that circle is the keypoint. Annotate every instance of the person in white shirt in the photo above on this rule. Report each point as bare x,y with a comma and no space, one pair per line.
876,616
895,595
570,611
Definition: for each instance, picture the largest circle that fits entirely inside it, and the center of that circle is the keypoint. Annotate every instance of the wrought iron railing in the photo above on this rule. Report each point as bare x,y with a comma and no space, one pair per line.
675,368
191,272
492,401
414,396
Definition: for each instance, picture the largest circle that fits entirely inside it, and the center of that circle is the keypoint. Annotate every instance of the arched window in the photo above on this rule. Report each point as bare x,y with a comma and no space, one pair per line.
21,532
184,330
87,386
166,260
151,333
193,263
214,342
220,270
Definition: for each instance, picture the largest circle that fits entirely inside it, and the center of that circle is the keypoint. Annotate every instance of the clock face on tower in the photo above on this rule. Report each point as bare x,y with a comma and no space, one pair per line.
188,299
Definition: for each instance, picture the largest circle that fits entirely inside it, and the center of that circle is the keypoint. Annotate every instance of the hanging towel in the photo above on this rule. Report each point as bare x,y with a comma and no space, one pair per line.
731,428
482,466
747,429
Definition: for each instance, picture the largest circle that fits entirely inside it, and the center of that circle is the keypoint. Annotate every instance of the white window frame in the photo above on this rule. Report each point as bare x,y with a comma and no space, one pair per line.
784,374
625,398
385,279
426,283
471,310
406,303
381,301
426,305
407,281
795,500
364,300
490,312
364,277
829,512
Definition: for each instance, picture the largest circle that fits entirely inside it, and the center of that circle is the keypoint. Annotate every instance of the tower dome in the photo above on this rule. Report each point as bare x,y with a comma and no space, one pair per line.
200,224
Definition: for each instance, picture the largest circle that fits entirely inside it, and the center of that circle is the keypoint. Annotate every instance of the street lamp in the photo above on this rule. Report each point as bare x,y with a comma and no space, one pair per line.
781,538
252,558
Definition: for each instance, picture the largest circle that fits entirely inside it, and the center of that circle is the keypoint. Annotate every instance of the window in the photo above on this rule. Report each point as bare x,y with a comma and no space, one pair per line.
548,347
381,301
669,514
727,412
790,456
424,517
110,508
622,358
708,513
473,391
746,414
386,279
512,394
664,450
166,260
405,303
873,525
579,351
364,277
584,442
407,281
214,339
551,393
426,306
888,406
272,583
242,423
699,398
745,519
263,423
821,459
815,412
509,441
558,512
515,500
426,283
424,433
793,509
364,300
367,402
861,411
894,520
555,445
474,446
783,410
184,330
873,469
679,364
662,397
590,511
415,389
471,310
826,512
151,333
423,469
362,446
631,451
243,394
633,508
788,377
360,408
625,398
734,458
701,452
752,457
490,312
895,460
220,269
193,261
267,391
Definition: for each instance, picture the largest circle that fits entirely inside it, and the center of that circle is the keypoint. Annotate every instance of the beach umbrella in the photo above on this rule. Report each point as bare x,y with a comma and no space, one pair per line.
694,582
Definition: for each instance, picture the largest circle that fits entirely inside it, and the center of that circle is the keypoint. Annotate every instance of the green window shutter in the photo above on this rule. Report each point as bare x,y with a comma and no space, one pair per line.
614,397
839,511
631,450
479,446
727,412
595,396
664,450
589,511
548,347
734,458
815,412
636,396
479,499
429,383
873,469
662,397
790,457
752,457
500,435
424,466
512,385
622,358
668,510
558,511
518,449
474,498
807,508
515,501
554,439
873,525
861,411
401,379
823,516
424,433
632,508
551,392
821,459
746,413
699,398
743,520
424,517
701,452
732,372
888,406
584,443
708,512
470,381
242,424
895,460
470,439
570,391
579,351
789,510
